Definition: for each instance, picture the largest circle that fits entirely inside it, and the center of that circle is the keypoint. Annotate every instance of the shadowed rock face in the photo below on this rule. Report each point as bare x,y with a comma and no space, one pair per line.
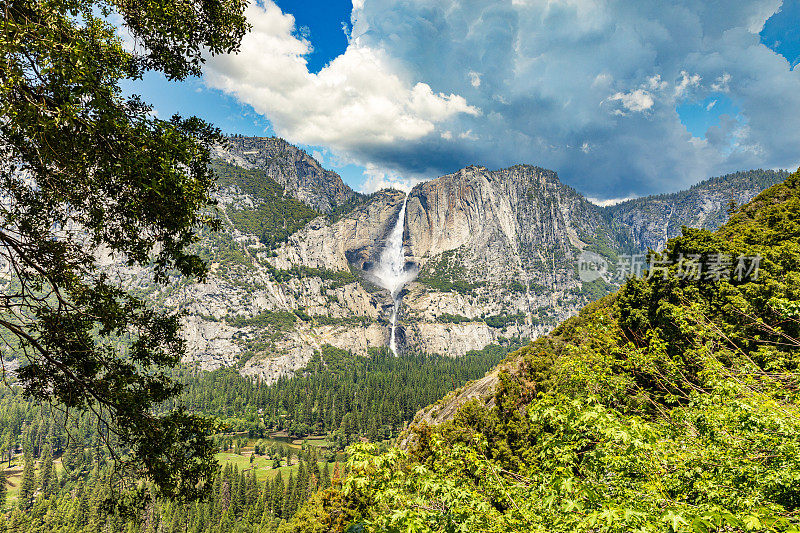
354,240
367,228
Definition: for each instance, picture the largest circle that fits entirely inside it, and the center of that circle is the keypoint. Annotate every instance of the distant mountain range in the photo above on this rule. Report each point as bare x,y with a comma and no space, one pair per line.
497,252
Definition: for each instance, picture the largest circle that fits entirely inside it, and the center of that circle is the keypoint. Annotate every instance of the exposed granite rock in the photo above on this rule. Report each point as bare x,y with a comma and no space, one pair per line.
354,238
301,175
508,241
497,251
655,219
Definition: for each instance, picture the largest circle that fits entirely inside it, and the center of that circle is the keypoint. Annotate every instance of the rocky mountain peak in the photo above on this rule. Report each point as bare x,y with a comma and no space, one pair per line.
496,252
502,209
301,175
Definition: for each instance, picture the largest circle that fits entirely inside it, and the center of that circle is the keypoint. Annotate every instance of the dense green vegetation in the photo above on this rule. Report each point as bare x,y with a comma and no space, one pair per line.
338,277
447,273
504,320
669,406
342,210
594,290
60,469
447,318
72,494
88,171
337,393
275,216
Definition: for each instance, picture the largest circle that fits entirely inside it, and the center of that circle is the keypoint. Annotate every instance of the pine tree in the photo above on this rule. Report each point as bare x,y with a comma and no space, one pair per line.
298,494
238,494
27,485
71,459
3,490
47,475
177,519
252,488
4,444
215,504
288,502
261,504
313,486
302,479
325,479
226,489
9,447
278,490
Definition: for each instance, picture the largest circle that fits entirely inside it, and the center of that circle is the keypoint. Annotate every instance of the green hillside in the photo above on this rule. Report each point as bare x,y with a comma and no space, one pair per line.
275,215
671,405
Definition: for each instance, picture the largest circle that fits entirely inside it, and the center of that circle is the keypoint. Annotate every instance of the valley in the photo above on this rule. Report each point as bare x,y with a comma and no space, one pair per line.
399,267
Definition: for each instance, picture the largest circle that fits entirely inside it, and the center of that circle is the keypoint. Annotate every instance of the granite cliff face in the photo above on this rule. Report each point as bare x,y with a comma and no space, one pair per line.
496,253
301,175
523,211
655,219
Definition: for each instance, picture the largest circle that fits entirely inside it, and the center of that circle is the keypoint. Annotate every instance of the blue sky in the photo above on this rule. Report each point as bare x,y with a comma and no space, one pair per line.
621,98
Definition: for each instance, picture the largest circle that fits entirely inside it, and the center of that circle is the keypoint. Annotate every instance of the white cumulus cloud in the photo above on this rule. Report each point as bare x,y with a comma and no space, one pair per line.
356,100
588,88
636,101
377,178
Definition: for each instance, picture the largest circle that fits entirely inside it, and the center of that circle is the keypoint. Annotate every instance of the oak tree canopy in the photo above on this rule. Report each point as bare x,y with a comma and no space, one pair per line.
87,172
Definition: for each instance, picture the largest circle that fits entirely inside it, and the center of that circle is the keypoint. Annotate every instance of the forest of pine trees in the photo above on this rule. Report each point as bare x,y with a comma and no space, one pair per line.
57,471
238,502
337,393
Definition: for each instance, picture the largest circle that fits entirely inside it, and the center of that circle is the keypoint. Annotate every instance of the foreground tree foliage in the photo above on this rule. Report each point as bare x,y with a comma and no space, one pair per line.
669,406
85,174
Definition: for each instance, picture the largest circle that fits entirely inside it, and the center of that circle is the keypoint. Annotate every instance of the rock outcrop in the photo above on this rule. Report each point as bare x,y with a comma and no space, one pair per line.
496,250
653,220
301,175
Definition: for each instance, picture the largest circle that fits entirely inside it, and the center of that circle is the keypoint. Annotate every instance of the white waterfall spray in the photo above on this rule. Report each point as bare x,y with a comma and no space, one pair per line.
391,272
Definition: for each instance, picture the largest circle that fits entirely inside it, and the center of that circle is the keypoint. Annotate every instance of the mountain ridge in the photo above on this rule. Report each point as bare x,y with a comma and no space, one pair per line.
497,252
302,175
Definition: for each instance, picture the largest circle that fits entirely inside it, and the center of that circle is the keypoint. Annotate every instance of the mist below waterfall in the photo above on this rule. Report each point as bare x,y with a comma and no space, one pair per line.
391,272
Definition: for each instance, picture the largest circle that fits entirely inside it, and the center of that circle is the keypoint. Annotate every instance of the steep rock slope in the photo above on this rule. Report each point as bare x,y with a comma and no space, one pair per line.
291,268
655,219
500,244
301,175
266,310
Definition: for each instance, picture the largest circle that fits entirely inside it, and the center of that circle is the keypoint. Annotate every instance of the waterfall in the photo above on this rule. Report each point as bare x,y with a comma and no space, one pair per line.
391,272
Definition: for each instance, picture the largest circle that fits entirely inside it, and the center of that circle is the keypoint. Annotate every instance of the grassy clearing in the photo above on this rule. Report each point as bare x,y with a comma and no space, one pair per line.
13,475
263,465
